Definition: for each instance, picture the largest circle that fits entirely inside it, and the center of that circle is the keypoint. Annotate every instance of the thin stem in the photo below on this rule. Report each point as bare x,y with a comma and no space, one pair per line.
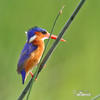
37,70
60,35
52,48
60,12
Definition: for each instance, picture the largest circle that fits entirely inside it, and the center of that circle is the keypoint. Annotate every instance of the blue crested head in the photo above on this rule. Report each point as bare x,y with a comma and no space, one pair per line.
31,32
23,73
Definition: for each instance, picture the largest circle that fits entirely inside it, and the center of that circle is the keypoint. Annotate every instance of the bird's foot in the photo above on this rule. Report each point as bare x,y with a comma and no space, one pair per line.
32,75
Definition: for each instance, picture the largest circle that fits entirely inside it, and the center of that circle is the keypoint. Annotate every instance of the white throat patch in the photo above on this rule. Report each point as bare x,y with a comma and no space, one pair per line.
44,38
32,38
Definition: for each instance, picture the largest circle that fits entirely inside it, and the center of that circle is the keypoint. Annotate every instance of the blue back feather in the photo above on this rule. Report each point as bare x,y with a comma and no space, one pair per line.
25,54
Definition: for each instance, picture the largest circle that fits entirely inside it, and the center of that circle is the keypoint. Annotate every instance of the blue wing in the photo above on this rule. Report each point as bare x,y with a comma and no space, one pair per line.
27,50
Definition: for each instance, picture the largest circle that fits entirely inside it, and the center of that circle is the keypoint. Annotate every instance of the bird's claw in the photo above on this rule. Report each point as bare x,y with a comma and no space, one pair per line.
32,75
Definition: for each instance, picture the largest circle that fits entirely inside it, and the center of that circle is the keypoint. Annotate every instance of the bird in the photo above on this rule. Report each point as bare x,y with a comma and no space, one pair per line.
32,51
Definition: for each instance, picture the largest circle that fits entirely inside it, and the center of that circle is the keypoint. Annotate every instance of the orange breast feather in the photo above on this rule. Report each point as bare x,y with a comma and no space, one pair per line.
34,57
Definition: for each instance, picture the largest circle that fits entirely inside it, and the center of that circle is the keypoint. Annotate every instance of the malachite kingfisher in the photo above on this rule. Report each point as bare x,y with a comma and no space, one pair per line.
32,51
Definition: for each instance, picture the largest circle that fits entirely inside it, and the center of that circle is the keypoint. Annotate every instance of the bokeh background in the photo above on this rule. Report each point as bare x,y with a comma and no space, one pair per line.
73,67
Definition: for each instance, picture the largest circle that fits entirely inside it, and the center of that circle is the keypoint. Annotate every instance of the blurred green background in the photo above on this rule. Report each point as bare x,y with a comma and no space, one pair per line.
73,67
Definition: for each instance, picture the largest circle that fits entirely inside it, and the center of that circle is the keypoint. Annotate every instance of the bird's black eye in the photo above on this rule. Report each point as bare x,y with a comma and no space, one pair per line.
44,32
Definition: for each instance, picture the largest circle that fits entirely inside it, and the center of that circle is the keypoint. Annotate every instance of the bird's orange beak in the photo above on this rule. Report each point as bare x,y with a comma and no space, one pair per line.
55,37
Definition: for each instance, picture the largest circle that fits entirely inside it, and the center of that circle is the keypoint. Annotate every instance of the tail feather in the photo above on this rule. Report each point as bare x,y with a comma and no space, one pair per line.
23,73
